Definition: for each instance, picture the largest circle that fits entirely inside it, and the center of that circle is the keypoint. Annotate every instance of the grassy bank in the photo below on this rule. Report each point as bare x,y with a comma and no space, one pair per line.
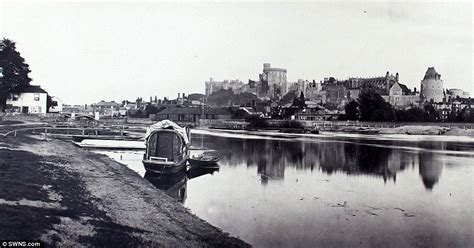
66,196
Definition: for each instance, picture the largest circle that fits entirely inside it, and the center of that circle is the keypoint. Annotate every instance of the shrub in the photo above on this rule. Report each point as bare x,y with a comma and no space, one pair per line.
257,122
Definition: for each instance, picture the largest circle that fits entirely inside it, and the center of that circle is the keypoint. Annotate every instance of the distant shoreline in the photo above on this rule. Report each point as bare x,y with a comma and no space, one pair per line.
403,130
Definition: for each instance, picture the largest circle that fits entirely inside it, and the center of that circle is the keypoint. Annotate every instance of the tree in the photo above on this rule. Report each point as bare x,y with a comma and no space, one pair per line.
352,110
227,98
51,103
299,101
152,109
14,71
373,107
256,122
302,99
434,115
288,98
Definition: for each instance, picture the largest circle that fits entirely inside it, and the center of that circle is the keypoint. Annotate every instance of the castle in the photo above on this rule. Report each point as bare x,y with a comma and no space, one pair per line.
335,94
275,78
432,86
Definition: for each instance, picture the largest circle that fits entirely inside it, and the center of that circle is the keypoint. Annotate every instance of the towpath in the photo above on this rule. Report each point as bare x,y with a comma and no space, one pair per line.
65,196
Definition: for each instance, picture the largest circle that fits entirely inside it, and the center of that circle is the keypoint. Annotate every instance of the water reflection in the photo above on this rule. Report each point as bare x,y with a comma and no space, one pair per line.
430,168
175,185
197,172
381,159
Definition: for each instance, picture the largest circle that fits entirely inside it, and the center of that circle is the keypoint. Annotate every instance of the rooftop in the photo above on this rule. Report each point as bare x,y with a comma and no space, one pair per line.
432,74
29,89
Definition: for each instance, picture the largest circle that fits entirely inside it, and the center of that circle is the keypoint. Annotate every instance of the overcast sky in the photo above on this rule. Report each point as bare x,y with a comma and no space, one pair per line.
84,52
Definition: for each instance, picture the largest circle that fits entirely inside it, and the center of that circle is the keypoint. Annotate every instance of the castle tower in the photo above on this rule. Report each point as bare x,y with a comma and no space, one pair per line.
432,86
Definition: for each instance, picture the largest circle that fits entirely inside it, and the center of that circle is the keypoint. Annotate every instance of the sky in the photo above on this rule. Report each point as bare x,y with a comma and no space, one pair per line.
84,52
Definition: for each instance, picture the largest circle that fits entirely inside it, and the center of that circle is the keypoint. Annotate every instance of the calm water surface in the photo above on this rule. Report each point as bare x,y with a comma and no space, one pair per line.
331,190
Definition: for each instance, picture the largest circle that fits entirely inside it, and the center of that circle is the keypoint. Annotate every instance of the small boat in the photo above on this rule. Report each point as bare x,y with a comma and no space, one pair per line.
314,131
167,148
204,161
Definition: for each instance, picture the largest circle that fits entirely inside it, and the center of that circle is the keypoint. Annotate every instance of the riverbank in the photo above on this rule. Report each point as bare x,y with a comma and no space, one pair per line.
67,196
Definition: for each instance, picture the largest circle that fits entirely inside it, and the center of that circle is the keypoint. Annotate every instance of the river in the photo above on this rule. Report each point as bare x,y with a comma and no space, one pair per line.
331,190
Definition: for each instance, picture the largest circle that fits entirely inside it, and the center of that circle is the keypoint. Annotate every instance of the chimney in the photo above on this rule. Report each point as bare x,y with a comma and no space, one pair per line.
178,95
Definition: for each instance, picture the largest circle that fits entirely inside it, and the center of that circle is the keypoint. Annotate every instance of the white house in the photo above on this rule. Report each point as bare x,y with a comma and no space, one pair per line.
29,100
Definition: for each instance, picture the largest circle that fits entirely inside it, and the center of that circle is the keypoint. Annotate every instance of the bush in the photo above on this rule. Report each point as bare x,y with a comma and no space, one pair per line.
137,113
257,122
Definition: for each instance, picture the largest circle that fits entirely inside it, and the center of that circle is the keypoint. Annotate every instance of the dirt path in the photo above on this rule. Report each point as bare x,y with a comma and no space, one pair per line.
66,196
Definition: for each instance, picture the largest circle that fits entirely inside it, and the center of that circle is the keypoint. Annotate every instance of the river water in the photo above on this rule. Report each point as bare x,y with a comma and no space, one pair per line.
330,190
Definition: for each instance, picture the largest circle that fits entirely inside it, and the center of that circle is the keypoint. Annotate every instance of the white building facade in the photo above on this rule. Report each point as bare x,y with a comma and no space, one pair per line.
29,100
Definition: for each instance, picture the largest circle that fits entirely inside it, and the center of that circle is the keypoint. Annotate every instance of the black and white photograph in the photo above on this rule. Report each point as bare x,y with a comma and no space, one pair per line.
236,123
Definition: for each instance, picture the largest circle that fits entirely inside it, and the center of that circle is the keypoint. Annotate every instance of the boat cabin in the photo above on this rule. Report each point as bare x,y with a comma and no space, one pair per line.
166,145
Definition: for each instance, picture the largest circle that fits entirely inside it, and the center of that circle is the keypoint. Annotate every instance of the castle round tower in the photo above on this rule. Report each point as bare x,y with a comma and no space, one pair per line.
432,86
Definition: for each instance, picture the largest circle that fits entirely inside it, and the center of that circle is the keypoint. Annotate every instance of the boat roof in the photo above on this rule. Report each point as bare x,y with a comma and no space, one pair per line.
167,125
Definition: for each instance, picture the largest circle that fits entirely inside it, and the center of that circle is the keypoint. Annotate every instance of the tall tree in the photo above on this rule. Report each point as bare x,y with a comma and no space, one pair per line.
14,71
373,107
288,98
352,110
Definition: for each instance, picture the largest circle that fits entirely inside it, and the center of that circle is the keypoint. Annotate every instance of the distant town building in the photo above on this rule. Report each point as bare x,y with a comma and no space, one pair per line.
340,92
401,97
213,86
31,99
192,114
455,93
78,109
432,86
107,108
57,105
312,112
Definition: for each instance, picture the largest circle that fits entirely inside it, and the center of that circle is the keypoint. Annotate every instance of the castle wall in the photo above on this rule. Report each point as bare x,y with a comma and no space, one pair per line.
432,89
